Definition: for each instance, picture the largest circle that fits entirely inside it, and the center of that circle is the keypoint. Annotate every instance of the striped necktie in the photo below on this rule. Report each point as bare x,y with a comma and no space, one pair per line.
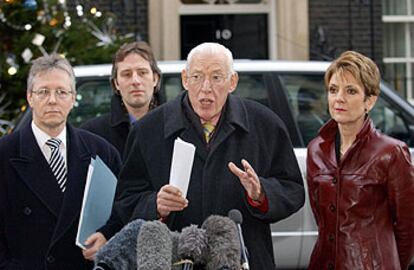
57,163
208,129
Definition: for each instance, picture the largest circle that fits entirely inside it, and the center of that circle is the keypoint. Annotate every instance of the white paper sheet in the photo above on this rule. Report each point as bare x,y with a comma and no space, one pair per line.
181,165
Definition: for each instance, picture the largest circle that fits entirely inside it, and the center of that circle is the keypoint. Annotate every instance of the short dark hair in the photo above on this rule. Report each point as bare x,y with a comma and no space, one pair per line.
144,50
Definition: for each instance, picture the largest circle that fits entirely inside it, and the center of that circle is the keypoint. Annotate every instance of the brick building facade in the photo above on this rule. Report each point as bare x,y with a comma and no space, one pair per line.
337,26
333,26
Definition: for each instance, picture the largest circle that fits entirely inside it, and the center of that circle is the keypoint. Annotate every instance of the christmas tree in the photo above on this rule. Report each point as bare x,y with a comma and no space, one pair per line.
30,28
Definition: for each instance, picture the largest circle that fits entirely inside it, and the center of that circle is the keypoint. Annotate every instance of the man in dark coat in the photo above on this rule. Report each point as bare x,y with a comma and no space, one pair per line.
135,81
246,162
41,186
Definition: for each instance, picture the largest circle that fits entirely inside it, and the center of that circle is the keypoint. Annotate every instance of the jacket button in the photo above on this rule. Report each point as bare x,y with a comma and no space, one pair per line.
332,207
50,259
27,211
331,266
331,237
334,180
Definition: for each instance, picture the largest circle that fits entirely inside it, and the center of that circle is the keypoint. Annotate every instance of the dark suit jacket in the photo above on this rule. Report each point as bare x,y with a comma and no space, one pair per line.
114,126
247,130
38,223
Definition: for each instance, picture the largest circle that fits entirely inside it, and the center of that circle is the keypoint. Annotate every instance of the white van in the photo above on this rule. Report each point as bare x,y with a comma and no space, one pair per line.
280,86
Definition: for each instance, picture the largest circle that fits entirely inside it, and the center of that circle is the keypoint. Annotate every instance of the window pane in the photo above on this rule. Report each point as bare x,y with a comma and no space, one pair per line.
394,7
394,40
93,98
412,38
412,6
252,86
410,81
394,74
307,97
171,86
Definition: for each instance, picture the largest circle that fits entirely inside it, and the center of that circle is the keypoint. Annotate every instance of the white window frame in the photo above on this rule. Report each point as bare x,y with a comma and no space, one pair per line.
408,59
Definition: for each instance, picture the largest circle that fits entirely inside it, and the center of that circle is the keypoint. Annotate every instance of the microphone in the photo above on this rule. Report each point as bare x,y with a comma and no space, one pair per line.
119,252
192,247
174,238
223,245
154,248
237,217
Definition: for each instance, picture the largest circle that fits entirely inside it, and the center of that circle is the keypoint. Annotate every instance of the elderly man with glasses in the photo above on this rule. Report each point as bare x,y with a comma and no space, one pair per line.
243,159
43,169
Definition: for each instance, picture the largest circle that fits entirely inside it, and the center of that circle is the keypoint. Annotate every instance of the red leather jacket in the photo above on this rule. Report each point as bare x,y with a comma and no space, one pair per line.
364,206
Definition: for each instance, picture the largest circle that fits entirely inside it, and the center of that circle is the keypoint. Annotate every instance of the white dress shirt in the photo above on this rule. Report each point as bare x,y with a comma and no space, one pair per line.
42,138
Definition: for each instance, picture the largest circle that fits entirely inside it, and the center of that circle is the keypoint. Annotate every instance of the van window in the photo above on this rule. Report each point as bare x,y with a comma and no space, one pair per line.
252,86
93,98
171,86
387,119
307,98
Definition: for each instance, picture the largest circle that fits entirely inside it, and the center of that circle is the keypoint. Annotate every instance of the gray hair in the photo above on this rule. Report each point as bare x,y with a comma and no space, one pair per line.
211,48
48,63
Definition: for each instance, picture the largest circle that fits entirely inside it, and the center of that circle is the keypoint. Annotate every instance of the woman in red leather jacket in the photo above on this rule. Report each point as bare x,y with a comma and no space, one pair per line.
361,182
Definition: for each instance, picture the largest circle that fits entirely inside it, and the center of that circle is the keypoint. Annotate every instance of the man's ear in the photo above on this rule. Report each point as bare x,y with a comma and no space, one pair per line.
29,97
234,80
73,99
156,79
114,80
184,79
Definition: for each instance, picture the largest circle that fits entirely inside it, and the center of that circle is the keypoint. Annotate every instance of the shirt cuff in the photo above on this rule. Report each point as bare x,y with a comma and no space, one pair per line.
163,219
261,206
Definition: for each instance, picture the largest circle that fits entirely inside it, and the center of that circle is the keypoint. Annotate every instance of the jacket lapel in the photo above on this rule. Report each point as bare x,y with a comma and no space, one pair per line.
34,170
235,117
78,160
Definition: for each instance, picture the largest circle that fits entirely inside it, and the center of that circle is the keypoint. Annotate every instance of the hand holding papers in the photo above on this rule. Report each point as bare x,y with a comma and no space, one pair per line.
181,165
97,200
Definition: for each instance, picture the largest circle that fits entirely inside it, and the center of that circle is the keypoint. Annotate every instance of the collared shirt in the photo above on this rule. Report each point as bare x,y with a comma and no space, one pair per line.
132,118
42,137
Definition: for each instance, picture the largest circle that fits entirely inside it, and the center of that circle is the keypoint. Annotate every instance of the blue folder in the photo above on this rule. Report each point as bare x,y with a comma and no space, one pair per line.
98,199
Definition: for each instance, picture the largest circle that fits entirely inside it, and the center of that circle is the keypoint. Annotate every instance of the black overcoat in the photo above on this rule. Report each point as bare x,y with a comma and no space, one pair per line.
113,126
250,131
38,223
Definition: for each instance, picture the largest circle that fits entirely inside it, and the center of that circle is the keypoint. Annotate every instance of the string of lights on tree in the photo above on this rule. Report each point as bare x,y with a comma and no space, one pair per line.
48,15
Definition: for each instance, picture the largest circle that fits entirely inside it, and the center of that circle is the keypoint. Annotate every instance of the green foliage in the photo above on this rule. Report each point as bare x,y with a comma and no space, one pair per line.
77,42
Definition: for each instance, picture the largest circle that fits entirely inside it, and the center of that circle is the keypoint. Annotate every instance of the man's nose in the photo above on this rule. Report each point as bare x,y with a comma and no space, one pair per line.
52,97
136,78
206,84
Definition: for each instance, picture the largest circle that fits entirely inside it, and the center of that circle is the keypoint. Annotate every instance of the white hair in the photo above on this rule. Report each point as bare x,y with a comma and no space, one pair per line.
211,48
